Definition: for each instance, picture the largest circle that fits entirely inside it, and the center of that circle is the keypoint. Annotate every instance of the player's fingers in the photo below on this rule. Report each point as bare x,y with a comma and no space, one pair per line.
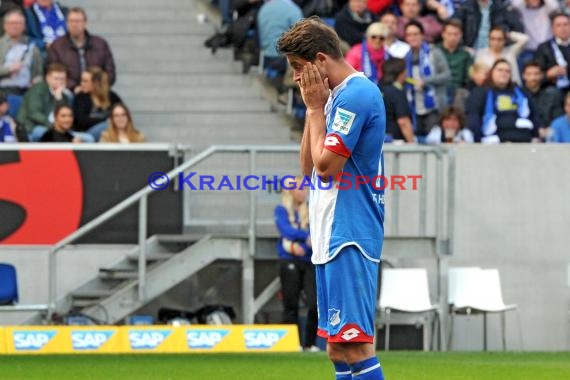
311,74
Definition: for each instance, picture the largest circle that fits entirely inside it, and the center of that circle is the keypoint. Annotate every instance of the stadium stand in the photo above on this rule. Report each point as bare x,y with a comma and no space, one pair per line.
177,90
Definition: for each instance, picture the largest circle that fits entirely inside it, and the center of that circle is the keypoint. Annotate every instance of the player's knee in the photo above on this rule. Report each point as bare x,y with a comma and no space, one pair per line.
335,352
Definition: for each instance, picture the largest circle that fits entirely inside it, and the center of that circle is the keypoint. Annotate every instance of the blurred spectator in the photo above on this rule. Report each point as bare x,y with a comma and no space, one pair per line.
411,10
561,125
5,7
479,16
458,59
534,16
60,130
8,132
378,7
398,115
501,112
545,97
392,45
368,56
121,128
553,55
498,49
46,22
352,21
78,50
451,128
297,273
478,74
444,9
36,112
428,78
92,105
274,18
321,8
22,62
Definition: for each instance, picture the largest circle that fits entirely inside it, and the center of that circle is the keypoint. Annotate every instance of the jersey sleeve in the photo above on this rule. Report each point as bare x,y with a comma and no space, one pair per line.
344,127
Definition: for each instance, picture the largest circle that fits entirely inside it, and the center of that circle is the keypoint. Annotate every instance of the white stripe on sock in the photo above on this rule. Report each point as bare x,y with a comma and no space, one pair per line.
366,370
343,373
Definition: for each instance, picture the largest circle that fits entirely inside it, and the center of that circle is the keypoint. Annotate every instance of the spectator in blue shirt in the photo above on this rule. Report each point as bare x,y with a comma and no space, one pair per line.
561,126
297,273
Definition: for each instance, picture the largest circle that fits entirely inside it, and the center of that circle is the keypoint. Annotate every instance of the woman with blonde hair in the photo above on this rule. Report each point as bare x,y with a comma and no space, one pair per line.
92,105
369,55
297,273
121,128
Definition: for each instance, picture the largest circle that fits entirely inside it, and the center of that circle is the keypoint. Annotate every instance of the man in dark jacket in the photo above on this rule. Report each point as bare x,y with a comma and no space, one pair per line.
78,50
352,21
479,16
553,55
546,98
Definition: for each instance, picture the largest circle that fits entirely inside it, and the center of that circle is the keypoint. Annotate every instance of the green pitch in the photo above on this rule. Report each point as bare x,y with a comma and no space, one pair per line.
302,366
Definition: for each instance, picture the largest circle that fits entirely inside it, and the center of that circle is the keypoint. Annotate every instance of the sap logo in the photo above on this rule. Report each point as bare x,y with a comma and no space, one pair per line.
262,338
32,340
147,339
90,340
205,338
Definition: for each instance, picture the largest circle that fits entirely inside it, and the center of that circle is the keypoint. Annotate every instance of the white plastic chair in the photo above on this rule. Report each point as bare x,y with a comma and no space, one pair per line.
479,291
406,291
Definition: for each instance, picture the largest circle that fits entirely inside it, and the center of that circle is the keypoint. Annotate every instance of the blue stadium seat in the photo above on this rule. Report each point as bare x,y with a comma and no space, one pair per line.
8,285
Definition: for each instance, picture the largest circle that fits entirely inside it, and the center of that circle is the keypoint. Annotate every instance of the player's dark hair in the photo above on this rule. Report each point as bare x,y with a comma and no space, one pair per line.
308,37
417,24
392,68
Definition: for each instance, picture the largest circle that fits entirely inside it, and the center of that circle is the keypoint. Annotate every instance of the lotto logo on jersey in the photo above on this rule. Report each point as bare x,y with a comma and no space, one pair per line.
343,120
90,340
262,339
32,340
147,339
205,339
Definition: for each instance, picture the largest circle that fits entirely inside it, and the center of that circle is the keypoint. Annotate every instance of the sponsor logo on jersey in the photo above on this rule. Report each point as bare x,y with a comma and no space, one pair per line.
32,340
262,339
90,340
147,339
205,339
343,120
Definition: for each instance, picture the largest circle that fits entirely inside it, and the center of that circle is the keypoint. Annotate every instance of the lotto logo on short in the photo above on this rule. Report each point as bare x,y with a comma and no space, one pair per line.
343,120
90,340
32,340
350,334
205,339
262,339
147,339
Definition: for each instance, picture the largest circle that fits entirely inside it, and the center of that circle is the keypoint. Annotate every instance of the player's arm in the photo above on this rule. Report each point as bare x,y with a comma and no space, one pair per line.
327,163
306,159
313,90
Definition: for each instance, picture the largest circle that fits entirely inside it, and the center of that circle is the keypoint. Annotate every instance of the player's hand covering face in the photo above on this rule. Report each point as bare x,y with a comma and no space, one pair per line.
314,90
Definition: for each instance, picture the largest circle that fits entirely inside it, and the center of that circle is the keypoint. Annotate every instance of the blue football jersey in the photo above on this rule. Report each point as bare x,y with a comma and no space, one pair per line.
350,210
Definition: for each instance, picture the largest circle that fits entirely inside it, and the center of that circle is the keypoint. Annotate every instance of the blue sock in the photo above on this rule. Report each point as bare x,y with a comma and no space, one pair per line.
342,371
368,369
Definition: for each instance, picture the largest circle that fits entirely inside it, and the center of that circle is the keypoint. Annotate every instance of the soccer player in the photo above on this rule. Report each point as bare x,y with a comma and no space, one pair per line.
343,137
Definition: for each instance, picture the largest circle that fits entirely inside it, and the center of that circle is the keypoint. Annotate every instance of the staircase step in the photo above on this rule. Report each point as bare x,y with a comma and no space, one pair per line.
164,53
92,294
117,274
191,94
151,256
148,82
164,14
109,28
236,105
